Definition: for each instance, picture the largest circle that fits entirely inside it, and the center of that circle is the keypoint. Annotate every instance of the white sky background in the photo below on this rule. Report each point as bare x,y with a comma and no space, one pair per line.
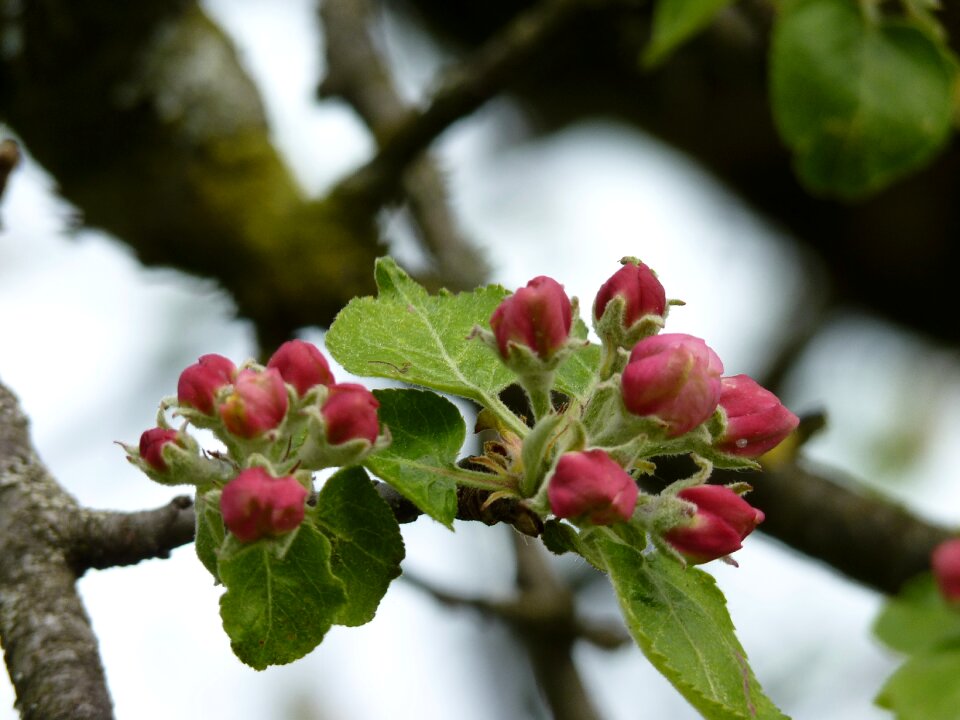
91,341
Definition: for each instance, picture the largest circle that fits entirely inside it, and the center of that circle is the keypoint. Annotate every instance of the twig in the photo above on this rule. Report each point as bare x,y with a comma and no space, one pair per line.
49,646
506,56
549,643
357,73
543,617
104,539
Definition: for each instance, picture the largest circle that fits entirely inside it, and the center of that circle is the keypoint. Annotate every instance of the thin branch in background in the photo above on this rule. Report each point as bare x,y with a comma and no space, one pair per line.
357,73
496,65
870,538
543,616
49,646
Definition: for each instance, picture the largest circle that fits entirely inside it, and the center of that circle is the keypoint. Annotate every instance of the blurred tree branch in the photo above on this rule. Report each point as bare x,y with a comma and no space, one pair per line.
513,53
544,618
152,128
357,73
710,100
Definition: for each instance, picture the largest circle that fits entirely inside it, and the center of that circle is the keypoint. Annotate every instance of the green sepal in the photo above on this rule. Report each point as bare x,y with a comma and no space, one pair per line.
186,464
552,436
618,339
317,453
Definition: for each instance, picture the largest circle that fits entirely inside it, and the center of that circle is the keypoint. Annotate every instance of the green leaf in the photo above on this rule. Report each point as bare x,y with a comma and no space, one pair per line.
428,432
679,619
860,102
925,687
281,596
407,334
366,541
210,530
918,619
675,21
576,374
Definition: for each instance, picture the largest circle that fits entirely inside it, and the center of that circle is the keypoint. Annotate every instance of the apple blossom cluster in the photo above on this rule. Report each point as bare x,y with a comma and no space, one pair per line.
654,394
278,423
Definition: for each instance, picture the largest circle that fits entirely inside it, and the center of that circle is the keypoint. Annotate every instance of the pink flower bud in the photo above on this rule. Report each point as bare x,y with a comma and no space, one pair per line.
350,413
302,365
591,485
945,561
723,519
257,404
640,289
199,383
674,377
255,504
756,419
151,447
537,316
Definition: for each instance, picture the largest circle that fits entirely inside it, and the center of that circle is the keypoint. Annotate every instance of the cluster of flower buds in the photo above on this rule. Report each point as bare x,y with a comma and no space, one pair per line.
653,394
278,422
945,562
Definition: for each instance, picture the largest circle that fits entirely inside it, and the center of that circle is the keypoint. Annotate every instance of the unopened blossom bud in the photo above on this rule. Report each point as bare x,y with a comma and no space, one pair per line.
257,404
350,413
255,504
302,365
674,377
198,384
537,316
945,561
151,446
591,486
641,291
723,519
756,419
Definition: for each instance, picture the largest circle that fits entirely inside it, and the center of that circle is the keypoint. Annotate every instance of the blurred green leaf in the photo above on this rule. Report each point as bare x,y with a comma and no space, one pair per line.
918,619
676,21
366,541
926,687
860,102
